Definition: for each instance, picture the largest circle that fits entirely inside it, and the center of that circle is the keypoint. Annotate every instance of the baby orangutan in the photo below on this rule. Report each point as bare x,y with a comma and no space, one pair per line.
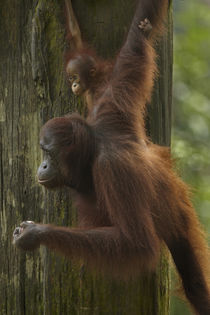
88,74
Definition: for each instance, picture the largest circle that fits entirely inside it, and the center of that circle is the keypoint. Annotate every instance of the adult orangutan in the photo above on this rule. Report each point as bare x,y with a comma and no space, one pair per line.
128,196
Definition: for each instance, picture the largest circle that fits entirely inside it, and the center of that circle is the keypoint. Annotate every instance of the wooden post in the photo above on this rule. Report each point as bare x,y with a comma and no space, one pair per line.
33,89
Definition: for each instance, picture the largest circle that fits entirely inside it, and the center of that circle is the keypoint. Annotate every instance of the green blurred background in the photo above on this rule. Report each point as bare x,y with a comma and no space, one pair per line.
191,107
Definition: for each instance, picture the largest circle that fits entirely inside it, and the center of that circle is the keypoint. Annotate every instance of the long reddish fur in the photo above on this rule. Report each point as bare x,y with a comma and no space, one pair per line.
137,201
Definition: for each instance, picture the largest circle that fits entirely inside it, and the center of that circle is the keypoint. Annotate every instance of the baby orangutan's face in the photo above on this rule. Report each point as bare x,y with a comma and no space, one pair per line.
80,73
72,69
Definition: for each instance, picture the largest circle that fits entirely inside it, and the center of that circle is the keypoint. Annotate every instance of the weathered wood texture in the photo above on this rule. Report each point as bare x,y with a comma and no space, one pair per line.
32,90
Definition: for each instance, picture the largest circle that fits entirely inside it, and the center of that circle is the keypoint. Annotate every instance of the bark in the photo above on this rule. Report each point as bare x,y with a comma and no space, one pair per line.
33,89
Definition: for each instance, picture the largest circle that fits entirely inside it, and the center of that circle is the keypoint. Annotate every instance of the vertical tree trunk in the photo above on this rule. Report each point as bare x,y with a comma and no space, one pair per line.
33,89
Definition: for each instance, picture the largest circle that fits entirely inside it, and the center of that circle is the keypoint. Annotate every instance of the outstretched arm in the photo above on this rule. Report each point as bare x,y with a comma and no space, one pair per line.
73,27
102,248
149,18
135,68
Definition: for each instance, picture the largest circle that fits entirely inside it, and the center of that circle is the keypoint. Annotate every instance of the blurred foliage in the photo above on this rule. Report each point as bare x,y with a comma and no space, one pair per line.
191,108
191,132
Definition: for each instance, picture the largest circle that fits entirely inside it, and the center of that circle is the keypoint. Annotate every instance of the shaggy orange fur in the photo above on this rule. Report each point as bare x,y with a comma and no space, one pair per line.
128,196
